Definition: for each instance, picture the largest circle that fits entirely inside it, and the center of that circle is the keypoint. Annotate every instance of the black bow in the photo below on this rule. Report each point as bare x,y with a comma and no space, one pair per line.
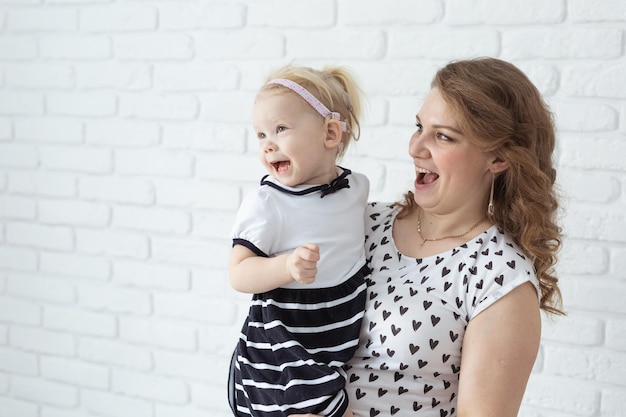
335,185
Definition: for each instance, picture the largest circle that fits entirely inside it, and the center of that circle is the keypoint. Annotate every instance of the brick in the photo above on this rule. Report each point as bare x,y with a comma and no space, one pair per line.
602,11
79,213
40,236
193,77
21,103
40,288
581,259
213,225
186,365
221,339
492,12
82,159
219,282
144,275
403,12
19,208
18,258
607,154
205,136
577,291
593,80
118,18
562,394
47,184
150,387
161,333
18,48
113,243
616,334
189,252
590,187
201,195
74,265
114,352
42,20
587,364
239,167
39,340
74,372
16,362
249,45
44,392
114,76
114,405
402,79
82,104
617,262
6,129
347,44
80,322
76,47
190,307
559,43
122,133
575,330
134,47
10,407
194,15
119,190
19,312
226,107
431,44
154,162
151,219
598,117
165,410
613,402
108,298
303,14
168,107
40,76
19,156
51,130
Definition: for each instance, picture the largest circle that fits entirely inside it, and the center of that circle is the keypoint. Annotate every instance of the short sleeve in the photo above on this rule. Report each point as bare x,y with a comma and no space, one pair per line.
257,224
503,271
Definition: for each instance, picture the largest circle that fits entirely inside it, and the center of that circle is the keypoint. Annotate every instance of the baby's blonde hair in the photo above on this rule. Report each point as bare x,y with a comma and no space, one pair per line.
334,87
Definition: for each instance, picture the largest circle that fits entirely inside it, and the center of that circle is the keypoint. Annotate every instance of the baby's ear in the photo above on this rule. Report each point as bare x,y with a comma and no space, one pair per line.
334,133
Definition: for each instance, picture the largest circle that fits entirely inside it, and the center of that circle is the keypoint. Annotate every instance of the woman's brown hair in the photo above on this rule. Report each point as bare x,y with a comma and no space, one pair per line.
501,111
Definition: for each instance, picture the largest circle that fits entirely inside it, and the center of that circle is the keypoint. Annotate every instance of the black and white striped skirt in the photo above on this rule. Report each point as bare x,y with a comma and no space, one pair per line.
292,348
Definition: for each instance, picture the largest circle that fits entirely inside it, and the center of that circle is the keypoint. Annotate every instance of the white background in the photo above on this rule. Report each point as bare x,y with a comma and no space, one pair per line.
125,148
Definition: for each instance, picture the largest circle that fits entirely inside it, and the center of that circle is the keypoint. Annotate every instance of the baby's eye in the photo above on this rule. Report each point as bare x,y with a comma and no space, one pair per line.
281,129
260,135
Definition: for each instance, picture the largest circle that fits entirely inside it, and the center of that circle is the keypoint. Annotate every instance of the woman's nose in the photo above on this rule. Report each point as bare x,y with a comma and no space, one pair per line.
417,148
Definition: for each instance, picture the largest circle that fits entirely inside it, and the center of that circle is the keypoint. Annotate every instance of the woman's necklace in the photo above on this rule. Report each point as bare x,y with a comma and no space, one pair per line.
425,239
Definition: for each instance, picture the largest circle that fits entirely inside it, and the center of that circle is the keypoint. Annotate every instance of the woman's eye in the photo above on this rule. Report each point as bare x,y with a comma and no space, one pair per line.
418,125
443,137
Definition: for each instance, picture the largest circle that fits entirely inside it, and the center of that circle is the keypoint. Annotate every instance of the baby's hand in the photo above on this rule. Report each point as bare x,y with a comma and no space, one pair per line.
302,263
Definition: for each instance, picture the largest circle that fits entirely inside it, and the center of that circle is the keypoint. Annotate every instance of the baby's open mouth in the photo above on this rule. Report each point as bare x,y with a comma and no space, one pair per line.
281,166
425,176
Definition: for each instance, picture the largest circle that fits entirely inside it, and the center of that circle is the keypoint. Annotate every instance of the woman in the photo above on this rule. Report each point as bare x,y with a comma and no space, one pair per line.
465,262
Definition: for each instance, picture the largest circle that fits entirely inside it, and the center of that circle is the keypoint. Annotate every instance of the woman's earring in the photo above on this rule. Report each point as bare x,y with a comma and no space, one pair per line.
490,206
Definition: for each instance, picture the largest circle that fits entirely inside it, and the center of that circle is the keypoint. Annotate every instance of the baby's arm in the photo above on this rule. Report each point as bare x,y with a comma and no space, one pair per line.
250,273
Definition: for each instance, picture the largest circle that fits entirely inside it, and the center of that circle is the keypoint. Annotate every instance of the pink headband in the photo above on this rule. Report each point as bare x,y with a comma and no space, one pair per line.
310,98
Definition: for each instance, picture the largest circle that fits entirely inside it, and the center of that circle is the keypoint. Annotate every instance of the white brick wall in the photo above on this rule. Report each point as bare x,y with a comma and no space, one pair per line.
125,149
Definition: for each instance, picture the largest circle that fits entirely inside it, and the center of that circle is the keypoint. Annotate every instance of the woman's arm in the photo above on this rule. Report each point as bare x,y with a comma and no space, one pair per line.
499,350
250,273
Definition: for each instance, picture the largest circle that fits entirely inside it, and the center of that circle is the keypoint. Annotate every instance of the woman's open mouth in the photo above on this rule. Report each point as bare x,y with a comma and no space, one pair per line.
425,176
